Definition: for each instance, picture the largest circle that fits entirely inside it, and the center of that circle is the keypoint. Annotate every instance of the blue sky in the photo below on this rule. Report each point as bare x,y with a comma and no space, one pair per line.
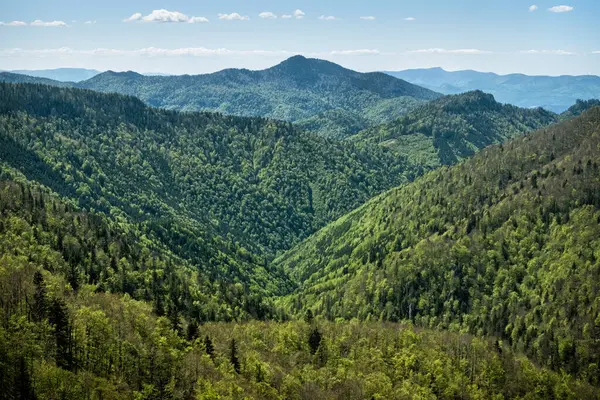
529,36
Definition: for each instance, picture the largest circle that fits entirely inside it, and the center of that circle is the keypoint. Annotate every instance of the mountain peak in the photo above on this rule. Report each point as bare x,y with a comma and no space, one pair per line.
475,100
301,65
295,59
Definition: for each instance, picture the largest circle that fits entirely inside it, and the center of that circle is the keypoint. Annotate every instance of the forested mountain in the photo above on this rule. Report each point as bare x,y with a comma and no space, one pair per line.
223,194
503,244
554,93
449,129
60,74
125,229
10,77
579,108
71,329
312,91
262,184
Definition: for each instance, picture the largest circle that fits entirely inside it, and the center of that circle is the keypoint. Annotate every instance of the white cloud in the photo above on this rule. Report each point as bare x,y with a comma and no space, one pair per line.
596,52
13,23
90,22
368,18
327,18
198,20
549,52
134,17
410,19
286,16
166,16
560,9
299,14
163,15
532,8
178,52
359,52
267,15
148,51
38,22
455,51
233,16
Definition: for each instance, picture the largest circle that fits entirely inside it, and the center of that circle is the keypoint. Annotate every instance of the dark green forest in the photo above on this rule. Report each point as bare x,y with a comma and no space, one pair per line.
154,254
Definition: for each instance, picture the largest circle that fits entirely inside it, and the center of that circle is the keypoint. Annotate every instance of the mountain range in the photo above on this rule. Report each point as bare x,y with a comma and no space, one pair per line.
309,91
383,242
554,93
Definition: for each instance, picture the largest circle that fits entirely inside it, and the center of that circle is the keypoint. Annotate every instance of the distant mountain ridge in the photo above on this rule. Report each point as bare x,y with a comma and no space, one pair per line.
60,74
554,93
297,89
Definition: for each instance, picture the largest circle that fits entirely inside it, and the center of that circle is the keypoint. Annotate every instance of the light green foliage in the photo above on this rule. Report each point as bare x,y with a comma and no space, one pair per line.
125,229
503,244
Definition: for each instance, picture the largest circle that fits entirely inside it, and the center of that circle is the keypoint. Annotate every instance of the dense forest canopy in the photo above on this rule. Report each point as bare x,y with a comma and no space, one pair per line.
258,182
449,129
504,244
137,253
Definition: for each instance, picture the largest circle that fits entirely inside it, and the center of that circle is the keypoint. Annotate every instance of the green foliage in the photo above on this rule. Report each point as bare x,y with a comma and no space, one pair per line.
504,244
340,123
449,129
579,108
262,185
125,229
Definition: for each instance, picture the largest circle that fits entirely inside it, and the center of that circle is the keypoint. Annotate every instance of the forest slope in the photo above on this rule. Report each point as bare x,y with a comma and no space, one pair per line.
449,129
505,244
260,183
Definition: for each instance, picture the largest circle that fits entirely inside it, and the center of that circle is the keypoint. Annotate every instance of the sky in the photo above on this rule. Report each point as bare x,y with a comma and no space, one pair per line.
536,37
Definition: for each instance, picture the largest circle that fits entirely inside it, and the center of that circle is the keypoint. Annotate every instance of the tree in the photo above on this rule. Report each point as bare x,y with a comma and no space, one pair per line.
314,340
24,386
62,333
209,347
192,331
40,304
233,356
308,316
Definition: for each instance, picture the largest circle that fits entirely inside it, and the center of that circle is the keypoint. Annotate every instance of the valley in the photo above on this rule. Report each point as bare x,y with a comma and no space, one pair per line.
300,232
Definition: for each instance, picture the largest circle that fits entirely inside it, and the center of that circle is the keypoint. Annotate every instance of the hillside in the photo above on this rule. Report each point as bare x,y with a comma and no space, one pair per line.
298,89
579,108
503,244
554,93
89,309
449,129
263,184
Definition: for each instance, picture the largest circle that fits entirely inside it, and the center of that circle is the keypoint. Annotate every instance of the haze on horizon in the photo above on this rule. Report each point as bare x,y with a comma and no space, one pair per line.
178,37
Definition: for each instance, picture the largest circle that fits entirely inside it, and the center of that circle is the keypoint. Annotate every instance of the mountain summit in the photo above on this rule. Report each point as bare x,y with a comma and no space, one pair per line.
307,90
